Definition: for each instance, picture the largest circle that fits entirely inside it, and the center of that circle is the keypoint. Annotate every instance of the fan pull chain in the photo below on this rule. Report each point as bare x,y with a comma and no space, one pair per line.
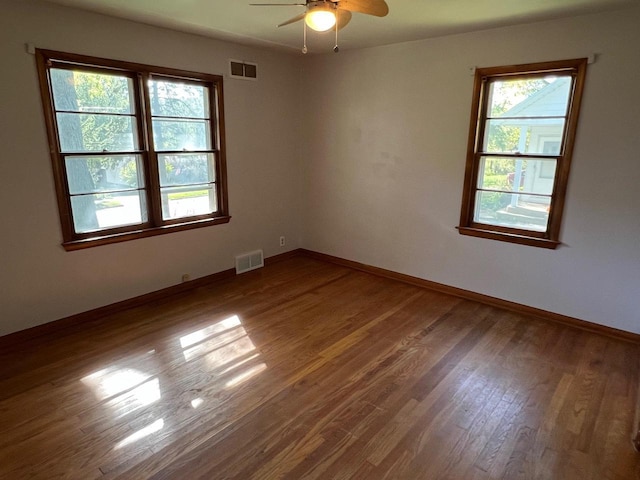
304,36
336,49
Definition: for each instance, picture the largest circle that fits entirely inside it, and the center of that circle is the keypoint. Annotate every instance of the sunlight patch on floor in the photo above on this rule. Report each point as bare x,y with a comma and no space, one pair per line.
113,380
140,434
204,333
246,375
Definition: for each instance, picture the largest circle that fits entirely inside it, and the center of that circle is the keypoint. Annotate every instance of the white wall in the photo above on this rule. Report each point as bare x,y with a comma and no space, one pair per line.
382,141
39,281
386,155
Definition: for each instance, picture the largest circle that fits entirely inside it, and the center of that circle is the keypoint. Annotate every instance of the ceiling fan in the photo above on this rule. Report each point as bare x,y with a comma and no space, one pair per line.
323,15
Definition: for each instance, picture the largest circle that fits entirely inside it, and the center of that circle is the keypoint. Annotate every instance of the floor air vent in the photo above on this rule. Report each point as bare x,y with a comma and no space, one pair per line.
249,261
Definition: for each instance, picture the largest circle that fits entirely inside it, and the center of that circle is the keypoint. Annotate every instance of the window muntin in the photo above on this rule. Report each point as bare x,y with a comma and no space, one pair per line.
523,124
136,150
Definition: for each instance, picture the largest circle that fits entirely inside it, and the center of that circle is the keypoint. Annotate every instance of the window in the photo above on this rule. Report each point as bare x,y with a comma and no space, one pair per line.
523,126
136,150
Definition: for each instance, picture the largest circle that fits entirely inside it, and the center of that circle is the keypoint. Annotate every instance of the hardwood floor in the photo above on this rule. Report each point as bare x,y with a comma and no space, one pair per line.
305,370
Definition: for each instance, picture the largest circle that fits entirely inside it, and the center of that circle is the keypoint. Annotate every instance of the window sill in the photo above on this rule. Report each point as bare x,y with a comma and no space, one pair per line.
147,232
509,237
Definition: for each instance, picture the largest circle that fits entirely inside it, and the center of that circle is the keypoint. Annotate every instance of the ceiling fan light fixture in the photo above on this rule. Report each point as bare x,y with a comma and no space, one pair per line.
324,15
320,18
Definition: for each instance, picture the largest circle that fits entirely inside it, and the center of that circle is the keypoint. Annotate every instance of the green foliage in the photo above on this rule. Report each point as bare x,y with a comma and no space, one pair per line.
97,92
107,94
172,99
503,138
190,194
501,167
497,182
184,169
491,202
506,95
129,174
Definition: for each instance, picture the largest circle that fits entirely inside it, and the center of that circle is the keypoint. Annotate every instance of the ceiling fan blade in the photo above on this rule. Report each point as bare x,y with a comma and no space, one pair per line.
343,17
295,19
379,8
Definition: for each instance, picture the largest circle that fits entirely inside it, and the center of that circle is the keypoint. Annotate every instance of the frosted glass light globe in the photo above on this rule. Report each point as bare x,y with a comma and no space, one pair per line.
320,20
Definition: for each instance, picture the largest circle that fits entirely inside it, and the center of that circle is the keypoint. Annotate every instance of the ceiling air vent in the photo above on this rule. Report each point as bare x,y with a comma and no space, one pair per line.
243,70
249,261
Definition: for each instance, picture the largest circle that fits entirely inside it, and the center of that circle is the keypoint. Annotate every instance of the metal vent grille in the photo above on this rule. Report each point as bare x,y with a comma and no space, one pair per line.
249,261
243,70
237,69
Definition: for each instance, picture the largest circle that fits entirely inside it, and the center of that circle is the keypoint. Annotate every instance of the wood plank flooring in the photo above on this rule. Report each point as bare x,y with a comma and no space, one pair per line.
308,370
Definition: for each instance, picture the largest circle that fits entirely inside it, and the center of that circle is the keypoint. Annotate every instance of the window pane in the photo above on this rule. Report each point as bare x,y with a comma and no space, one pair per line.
186,168
181,134
99,173
174,99
81,132
91,92
108,210
531,135
515,210
540,97
524,175
179,202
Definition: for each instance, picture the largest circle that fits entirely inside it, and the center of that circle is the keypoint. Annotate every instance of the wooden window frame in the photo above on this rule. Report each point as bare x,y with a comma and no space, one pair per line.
140,73
550,238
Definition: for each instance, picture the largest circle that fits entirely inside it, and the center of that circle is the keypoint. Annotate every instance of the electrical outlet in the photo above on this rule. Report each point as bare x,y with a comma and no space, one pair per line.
186,277
282,241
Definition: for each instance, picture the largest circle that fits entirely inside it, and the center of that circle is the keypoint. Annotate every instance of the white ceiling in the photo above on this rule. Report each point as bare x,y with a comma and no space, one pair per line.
408,20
